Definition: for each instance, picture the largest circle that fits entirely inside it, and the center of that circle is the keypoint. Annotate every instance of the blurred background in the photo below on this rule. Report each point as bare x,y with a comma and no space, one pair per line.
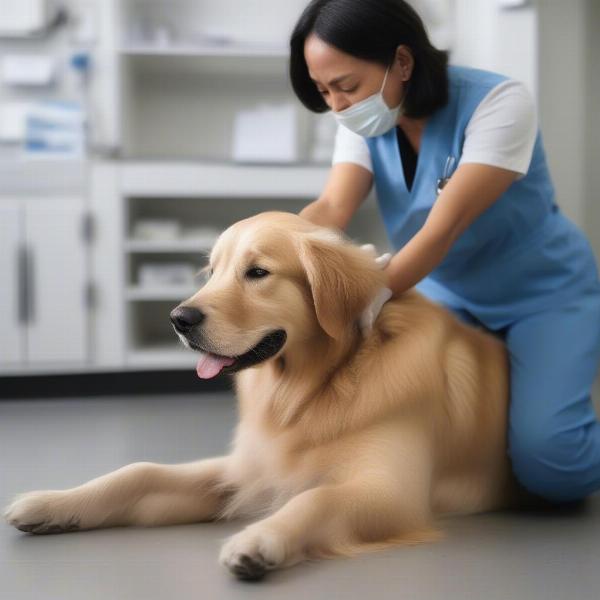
133,131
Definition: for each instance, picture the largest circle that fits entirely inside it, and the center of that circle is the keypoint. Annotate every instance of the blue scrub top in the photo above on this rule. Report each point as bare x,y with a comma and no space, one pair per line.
520,256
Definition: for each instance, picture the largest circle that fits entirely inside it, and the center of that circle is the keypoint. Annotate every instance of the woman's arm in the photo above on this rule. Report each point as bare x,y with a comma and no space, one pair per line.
347,187
469,192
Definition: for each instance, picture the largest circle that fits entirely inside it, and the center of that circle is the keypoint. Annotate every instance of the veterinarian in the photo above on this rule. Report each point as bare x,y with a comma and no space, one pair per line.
464,190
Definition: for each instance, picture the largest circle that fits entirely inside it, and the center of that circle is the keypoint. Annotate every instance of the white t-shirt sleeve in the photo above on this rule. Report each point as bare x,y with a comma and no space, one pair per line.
503,129
501,132
351,147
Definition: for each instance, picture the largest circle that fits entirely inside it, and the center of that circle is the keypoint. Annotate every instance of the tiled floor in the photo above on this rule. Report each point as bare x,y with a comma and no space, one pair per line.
60,443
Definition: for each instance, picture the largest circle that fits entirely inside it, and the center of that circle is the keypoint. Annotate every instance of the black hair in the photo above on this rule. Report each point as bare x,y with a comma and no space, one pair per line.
371,30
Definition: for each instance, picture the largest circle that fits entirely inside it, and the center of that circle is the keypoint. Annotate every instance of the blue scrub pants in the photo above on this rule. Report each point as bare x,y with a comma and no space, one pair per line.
554,433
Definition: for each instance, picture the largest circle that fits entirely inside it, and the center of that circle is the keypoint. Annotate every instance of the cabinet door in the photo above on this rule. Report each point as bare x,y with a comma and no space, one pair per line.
57,323
12,300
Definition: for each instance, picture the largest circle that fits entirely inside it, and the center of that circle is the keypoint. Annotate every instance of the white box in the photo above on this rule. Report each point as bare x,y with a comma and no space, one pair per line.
24,17
27,69
156,274
13,119
267,133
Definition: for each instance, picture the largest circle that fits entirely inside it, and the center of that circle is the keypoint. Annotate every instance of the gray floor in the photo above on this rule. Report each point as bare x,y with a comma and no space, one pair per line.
55,444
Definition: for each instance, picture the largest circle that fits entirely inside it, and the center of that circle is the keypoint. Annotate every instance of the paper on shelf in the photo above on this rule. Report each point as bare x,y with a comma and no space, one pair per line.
55,129
25,17
27,69
203,234
156,229
13,118
151,274
267,133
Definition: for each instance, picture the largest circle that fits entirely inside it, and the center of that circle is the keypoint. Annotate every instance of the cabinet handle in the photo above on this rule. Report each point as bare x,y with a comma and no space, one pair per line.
30,289
22,284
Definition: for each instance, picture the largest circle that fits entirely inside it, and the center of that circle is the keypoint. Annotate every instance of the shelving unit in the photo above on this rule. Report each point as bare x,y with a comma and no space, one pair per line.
162,129
218,51
176,111
142,246
150,337
220,179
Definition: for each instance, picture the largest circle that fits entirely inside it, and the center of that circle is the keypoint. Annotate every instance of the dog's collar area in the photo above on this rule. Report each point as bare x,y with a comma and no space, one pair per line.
268,346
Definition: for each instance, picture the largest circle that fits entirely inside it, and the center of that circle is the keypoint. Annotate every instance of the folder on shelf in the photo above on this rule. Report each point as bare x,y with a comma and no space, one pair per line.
55,129
267,133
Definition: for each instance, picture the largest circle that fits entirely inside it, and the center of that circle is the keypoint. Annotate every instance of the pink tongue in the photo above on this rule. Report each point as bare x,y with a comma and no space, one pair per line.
210,365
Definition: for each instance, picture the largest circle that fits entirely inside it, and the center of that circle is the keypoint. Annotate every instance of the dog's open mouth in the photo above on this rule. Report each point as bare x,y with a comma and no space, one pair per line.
210,365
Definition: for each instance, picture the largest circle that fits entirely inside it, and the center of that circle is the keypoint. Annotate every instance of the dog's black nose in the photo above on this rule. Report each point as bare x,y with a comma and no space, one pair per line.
185,317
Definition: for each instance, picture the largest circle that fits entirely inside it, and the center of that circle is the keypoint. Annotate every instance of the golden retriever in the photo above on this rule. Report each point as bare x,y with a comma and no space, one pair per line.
345,444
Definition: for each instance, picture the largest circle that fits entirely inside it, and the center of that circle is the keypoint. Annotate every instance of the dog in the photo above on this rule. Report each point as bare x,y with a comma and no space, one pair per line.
345,443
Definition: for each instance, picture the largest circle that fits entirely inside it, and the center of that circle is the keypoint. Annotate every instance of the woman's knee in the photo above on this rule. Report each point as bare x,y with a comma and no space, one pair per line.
549,463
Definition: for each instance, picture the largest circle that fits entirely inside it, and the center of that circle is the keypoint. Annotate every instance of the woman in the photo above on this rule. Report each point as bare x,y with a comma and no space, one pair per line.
466,197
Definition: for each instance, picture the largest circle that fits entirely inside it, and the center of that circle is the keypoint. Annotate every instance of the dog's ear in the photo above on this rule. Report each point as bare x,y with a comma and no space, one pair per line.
343,280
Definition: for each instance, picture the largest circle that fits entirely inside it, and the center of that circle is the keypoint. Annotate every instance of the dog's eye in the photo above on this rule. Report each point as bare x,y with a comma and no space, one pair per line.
256,273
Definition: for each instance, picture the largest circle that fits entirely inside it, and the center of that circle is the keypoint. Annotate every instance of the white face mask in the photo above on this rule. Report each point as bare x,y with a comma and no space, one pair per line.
369,117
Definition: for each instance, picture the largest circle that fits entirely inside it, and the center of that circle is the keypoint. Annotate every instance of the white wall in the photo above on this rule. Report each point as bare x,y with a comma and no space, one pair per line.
488,36
554,47
570,106
563,90
592,129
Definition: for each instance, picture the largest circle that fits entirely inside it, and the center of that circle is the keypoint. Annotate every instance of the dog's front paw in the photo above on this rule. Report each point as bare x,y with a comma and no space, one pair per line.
40,512
252,552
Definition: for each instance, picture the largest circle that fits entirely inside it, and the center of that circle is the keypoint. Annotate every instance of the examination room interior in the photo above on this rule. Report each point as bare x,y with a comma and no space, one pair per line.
133,132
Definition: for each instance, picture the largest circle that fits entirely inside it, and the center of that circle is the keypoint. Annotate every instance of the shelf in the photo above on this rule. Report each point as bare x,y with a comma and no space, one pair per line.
167,355
236,50
62,368
197,179
42,175
147,293
175,246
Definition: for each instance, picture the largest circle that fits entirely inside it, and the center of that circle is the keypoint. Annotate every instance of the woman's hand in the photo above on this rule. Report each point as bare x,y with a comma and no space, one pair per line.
470,191
370,313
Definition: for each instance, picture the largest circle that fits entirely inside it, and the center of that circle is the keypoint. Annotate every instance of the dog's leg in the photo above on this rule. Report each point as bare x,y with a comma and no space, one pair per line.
363,515
143,493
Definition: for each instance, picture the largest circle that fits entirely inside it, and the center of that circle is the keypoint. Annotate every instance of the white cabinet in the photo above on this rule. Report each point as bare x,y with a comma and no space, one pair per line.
12,347
43,299
57,291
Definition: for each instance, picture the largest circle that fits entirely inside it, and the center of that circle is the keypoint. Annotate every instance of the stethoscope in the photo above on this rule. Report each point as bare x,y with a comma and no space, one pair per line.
443,180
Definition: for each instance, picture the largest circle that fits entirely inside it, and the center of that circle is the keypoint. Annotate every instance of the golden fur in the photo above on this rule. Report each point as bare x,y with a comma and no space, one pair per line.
344,445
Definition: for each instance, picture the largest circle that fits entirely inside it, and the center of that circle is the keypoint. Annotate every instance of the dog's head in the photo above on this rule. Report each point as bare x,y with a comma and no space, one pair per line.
274,282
